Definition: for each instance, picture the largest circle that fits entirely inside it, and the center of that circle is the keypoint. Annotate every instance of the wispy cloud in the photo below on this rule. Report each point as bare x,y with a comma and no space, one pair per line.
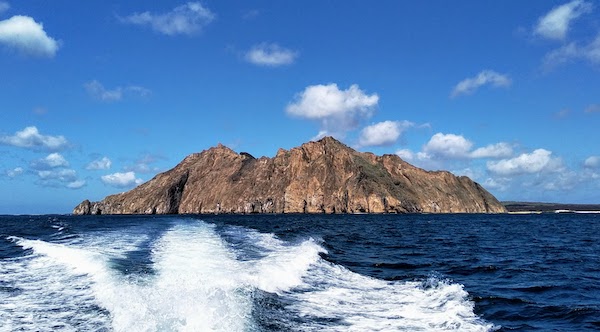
121,180
12,173
487,77
77,184
573,52
30,138
555,24
186,19
383,133
144,164
25,35
337,111
271,55
99,164
97,91
250,14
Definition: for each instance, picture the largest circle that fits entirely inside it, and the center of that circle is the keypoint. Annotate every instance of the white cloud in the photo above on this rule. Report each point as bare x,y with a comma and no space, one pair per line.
501,184
555,24
121,180
4,6
592,162
76,184
498,150
324,101
52,160
405,154
56,160
62,175
573,52
186,19
11,173
383,133
27,36
336,110
31,138
98,164
271,55
448,146
486,77
99,92
540,160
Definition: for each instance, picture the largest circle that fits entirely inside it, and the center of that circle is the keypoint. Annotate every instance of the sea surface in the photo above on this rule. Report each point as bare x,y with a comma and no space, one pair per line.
300,273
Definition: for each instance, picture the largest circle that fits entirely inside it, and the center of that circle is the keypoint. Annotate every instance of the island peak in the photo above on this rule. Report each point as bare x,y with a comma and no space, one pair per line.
323,176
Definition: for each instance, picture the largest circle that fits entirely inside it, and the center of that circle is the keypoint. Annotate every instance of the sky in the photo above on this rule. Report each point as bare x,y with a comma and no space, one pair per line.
99,96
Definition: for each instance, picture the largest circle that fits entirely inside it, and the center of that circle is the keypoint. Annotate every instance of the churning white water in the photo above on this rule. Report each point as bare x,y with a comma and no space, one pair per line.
207,279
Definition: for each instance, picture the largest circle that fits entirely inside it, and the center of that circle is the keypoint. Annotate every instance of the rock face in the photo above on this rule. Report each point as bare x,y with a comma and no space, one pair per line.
318,177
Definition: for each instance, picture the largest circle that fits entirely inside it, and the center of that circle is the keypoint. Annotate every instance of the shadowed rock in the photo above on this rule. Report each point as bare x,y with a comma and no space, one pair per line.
318,177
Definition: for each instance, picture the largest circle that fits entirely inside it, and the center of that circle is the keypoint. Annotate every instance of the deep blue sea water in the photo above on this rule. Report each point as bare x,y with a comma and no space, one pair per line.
300,273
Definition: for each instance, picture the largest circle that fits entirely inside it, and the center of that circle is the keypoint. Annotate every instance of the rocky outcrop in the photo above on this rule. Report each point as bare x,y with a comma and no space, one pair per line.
318,177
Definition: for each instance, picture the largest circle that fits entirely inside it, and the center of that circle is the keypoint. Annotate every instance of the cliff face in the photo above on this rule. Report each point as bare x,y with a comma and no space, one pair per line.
318,177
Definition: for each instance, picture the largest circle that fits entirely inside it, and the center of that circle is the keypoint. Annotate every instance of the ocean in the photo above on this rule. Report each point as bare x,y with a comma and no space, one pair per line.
456,272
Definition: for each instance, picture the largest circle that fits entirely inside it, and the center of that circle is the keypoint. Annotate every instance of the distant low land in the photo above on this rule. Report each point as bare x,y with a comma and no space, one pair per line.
517,207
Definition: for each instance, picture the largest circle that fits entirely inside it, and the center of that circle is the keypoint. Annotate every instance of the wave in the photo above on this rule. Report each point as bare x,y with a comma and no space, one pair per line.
206,278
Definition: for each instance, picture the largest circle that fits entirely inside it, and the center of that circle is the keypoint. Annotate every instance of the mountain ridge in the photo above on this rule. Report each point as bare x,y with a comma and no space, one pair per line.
323,176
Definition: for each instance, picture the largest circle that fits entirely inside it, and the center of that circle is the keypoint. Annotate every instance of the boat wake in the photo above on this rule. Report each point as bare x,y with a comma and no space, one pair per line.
198,277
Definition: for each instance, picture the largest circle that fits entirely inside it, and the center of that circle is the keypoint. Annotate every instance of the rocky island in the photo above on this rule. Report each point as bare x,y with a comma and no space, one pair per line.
325,176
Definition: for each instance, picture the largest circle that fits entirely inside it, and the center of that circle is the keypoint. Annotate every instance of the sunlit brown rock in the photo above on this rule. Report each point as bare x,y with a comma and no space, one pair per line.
318,177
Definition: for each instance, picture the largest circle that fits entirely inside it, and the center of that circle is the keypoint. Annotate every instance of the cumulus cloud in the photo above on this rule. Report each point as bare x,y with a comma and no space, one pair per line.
486,77
555,24
62,177
31,138
540,160
448,146
25,35
451,146
97,91
592,162
12,173
4,6
186,19
383,133
574,52
336,110
405,154
271,55
99,164
498,150
121,180
52,160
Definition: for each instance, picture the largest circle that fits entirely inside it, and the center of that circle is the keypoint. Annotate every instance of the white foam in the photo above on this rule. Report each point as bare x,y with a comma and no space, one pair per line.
51,289
202,284
197,285
358,303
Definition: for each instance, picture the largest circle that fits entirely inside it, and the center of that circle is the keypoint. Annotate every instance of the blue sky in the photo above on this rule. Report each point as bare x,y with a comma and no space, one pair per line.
97,97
